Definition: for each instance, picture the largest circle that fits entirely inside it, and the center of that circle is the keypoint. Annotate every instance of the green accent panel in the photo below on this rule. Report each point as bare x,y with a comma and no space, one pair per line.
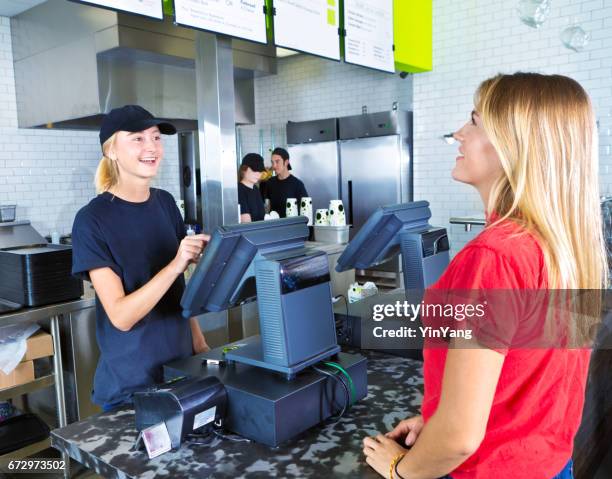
331,17
168,8
412,35
269,21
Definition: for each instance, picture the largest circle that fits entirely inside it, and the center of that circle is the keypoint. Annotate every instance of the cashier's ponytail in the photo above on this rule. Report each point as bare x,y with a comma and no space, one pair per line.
107,173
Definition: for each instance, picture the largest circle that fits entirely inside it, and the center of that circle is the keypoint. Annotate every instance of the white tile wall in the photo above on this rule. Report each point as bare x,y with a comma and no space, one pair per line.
474,40
49,173
310,88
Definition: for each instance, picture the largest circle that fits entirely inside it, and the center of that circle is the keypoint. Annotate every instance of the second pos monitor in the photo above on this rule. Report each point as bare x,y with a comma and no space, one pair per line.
269,260
405,229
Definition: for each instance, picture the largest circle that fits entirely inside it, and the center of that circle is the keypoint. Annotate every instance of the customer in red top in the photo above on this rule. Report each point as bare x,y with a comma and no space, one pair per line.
530,150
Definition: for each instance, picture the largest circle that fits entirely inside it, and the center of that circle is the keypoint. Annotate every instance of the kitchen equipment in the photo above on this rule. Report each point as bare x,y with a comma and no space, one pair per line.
184,405
8,306
367,165
35,273
332,234
7,213
364,160
19,431
313,149
272,393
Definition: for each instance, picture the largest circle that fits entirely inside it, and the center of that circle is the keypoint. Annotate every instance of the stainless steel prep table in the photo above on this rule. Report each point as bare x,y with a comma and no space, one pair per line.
53,313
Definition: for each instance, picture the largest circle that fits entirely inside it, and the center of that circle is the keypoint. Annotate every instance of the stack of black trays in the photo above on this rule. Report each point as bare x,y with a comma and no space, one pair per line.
38,275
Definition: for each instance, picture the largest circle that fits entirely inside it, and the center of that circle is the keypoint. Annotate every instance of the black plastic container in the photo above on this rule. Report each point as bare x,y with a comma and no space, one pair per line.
38,275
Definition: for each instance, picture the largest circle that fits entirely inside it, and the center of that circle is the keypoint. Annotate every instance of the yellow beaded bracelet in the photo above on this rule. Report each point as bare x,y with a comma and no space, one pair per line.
395,460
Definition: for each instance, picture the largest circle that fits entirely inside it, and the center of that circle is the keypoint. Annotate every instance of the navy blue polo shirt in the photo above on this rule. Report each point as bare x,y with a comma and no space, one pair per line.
135,240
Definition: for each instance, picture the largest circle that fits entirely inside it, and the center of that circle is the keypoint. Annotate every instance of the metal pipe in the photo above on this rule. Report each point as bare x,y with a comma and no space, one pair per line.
216,130
58,372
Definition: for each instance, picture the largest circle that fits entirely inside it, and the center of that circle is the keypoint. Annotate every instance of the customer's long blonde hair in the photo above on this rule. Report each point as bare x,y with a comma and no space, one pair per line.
107,173
543,129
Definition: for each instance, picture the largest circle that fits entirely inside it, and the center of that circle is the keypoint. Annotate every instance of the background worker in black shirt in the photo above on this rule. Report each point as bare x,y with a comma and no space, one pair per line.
249,197
284,185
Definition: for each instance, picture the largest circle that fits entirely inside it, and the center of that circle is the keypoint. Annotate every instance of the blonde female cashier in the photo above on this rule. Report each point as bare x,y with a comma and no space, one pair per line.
529,148
130,242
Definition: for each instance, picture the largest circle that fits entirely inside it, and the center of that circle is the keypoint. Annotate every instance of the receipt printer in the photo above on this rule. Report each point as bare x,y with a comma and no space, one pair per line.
184,405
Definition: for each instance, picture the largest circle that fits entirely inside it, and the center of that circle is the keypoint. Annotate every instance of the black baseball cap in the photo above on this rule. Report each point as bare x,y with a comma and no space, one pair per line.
131,118
254,161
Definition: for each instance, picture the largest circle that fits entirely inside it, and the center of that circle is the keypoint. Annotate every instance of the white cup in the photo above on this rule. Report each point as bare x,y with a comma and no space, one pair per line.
321,217
337,216
181,206
306,208
291,207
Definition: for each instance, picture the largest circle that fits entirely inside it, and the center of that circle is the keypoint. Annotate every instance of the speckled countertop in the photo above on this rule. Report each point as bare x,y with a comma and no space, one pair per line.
103,442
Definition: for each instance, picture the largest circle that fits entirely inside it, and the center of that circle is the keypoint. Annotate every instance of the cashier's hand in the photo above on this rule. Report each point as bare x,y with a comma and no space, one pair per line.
407,431
199,343
189,251
380,451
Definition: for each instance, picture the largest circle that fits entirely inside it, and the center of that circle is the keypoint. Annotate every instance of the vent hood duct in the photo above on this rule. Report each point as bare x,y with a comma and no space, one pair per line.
74,63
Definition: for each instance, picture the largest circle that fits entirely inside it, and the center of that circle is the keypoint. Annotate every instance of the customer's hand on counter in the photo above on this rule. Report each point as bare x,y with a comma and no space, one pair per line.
381,452
407,431
189,251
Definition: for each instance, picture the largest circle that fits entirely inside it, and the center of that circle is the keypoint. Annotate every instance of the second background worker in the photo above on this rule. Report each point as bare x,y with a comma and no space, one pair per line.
284,185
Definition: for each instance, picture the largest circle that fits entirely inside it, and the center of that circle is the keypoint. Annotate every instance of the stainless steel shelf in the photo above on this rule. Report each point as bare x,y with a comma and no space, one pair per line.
467,221
29,315
28,450
39,383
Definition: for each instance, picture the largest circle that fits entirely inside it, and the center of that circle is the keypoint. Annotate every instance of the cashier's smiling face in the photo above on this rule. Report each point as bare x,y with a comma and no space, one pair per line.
138,154
478,163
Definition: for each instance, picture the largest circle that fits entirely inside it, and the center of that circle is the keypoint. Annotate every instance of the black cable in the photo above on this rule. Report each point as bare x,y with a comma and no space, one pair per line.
199,439
206,439
233,438
339,321
345,304
337,378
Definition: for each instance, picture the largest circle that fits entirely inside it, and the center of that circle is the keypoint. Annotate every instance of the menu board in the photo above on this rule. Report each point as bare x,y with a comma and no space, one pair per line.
369,33
309,26
237,18
148,8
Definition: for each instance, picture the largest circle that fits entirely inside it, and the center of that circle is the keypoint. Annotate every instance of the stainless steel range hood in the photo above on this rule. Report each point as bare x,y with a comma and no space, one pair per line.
73,63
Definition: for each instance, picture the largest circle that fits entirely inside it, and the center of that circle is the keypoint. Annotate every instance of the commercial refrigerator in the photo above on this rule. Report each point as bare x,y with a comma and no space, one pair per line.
375,163
365,160
314,154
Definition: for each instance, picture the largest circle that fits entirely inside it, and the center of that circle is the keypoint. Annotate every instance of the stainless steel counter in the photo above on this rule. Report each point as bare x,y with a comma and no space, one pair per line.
32,315
329,248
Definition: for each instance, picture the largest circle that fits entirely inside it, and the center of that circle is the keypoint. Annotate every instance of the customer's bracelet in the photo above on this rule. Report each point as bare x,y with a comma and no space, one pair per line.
399,476
392,467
